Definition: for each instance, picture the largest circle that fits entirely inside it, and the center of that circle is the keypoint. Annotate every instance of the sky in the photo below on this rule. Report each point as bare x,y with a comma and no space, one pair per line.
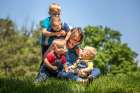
121,15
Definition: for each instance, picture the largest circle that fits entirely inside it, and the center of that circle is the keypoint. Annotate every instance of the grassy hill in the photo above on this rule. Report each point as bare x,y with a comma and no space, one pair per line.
104,84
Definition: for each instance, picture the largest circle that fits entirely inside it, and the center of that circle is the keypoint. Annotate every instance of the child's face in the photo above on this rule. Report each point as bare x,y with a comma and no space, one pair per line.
59,50
56,25
85,54
73,41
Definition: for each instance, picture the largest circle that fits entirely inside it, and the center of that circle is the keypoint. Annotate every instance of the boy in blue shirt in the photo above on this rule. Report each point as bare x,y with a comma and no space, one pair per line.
52,29
46,27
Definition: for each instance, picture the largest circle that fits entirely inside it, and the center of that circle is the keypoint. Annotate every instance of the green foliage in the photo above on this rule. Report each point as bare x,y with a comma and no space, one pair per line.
20,57
18,52
113,55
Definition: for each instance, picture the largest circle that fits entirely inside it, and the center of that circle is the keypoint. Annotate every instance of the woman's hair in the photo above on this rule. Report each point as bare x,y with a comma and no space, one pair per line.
77,32
55,9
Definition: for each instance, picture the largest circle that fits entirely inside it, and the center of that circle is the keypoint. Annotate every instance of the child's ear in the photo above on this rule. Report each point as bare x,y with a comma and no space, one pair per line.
53,46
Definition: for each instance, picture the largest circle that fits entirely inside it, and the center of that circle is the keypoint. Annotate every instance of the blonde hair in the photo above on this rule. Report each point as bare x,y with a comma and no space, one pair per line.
58,43
55,9
91,50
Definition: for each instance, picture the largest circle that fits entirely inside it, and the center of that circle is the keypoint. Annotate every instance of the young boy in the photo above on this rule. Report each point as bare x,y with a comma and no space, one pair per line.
83,66
54,60
47,26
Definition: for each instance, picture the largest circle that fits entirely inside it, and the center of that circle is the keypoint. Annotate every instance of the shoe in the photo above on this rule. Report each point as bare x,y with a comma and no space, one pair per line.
90,79
41,77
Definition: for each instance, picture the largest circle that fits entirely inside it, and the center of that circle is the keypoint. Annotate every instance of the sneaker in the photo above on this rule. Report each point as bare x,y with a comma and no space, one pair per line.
41,77
90,79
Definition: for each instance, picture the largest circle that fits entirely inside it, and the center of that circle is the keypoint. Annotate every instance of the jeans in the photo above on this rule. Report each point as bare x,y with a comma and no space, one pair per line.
69,75
45,73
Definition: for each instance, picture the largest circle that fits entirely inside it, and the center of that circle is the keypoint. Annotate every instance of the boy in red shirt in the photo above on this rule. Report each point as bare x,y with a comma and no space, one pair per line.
54,60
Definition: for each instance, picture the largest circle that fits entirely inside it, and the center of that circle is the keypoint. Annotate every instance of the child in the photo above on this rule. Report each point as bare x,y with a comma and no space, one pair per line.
54,10
54,60
57,29
48,26
52,29
84,65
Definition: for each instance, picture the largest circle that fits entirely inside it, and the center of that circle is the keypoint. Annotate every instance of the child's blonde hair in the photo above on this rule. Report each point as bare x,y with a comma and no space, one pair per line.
59,43
92,51
54,9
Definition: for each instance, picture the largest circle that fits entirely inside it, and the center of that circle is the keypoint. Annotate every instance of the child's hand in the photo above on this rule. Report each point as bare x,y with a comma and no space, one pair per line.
82,73
71,67
66,70
54,67
61,33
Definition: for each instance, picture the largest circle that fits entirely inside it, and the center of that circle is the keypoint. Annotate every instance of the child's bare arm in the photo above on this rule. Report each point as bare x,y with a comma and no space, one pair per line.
61,33
86,70
50,66
65,68
47,33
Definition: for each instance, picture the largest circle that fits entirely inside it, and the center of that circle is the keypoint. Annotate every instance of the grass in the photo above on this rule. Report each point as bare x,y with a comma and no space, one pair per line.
104,84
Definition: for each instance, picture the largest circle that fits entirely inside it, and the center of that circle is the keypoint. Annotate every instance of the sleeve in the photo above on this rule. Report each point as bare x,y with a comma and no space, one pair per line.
63,59
66,27
49,56
46,23
90,65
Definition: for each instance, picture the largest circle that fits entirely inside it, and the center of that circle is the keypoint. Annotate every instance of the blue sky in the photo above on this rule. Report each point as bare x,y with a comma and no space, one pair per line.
121,15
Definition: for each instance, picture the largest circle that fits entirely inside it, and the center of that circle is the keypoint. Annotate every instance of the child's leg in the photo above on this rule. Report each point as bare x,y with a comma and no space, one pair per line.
65,75
95,73
43,74
42,67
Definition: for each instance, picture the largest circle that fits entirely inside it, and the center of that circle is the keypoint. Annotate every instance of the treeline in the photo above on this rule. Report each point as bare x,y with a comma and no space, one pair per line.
20,50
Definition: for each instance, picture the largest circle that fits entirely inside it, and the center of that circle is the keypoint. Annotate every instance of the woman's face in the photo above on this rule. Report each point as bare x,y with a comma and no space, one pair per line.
73,41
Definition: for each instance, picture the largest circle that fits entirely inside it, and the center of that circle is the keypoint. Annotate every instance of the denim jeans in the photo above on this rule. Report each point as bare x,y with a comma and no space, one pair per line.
69,75
45,73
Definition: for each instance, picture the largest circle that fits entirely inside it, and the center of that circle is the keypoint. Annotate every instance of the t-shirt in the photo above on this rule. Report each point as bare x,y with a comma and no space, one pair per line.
52,58
72,55
47,24
85,64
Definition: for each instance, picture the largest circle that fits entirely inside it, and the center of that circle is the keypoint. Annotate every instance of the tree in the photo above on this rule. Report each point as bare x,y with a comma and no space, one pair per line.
19,53
113,55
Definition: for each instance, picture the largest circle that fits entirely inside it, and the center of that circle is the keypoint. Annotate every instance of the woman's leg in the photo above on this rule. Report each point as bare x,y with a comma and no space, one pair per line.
94,73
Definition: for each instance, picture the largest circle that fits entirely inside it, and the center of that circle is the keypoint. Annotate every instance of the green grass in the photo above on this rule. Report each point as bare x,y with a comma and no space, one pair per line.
104,84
